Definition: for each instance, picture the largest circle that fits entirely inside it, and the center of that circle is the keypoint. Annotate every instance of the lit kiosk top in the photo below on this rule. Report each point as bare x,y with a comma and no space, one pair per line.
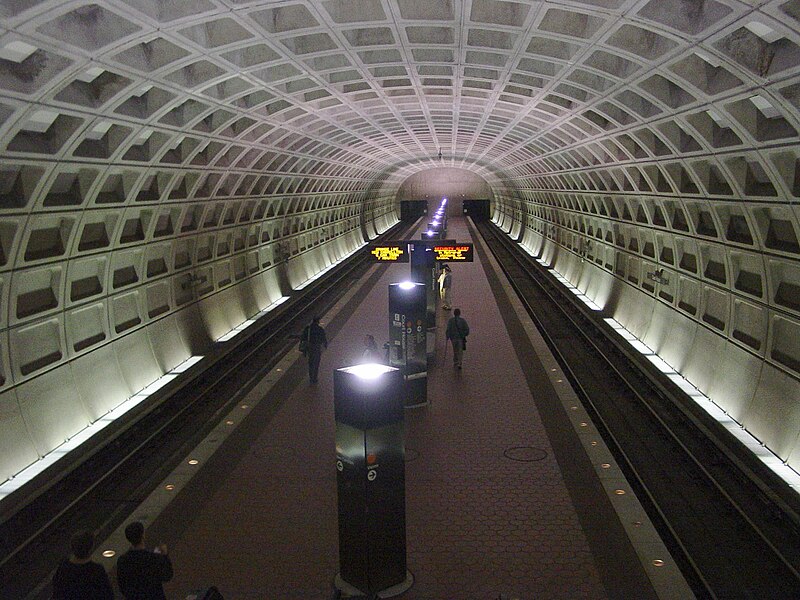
370,475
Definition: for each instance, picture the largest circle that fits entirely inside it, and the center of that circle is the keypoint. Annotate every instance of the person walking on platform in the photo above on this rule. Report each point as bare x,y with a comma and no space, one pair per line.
140,572
313,339
457,332
446,287
78,577
371,354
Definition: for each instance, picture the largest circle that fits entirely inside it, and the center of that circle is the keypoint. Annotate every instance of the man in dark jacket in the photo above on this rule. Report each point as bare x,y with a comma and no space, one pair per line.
457,332
140,572
78,577
315,340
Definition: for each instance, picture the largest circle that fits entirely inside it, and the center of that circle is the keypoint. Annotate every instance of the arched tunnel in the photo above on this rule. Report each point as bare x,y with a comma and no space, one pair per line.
159,157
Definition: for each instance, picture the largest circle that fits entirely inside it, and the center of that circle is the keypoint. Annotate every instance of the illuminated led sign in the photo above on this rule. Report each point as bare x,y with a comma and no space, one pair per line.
453,252
390,253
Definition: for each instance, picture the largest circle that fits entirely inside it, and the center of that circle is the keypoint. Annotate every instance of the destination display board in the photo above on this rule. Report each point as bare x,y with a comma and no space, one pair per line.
397,253
459,252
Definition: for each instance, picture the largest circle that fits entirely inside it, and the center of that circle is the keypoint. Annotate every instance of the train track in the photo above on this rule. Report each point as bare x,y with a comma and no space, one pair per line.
101,492
729,534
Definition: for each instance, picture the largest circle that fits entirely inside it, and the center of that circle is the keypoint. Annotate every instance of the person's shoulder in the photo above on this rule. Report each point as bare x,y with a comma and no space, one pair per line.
96,570
134,554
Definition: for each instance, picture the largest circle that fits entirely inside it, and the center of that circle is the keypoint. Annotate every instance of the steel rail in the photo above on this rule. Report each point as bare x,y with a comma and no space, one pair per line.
585,396
231,363
556,296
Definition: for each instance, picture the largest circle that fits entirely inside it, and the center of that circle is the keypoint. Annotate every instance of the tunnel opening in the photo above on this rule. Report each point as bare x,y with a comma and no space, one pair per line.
467,192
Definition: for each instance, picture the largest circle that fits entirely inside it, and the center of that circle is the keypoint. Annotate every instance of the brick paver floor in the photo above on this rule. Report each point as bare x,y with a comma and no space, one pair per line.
479,524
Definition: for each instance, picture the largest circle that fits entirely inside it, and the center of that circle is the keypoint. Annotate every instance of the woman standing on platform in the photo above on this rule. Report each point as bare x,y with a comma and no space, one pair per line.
446,287
371,354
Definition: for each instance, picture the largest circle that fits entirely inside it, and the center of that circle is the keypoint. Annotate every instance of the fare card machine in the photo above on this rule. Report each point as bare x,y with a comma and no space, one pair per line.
408,338
370,465
423,270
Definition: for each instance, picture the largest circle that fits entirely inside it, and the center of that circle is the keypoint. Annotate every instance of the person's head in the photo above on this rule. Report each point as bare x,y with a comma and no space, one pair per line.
457,312
315,320
447,268
82,544
369,341
134,533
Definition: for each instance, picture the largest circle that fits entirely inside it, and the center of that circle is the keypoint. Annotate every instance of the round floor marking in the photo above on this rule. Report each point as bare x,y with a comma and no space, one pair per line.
525,454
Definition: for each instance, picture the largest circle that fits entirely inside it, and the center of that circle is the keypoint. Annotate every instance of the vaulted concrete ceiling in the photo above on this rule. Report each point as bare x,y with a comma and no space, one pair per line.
142,138
352,88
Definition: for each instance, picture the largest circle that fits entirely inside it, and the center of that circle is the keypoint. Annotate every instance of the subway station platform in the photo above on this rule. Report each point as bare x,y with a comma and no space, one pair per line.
509,489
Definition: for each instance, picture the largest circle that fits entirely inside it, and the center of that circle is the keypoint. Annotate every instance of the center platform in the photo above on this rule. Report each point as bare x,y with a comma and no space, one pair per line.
505,492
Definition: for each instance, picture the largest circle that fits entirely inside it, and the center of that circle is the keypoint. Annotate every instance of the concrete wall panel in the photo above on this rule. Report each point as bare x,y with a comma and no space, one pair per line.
35,346
634,310
136,360
271,286
192,334
701,367
100,394
658,330
248,302
52,409
168,347
675,347
17,449
600,286
774,415
216,312
734,390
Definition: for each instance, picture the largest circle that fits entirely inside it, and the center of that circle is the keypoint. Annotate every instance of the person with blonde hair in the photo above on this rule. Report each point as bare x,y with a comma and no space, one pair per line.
446,287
